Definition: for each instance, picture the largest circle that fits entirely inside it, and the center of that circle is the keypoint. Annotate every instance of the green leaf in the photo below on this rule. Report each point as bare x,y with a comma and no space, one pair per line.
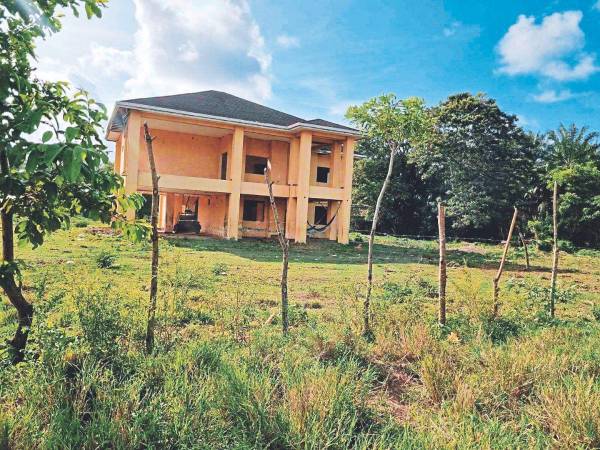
51,152
47,136
72,164
71,133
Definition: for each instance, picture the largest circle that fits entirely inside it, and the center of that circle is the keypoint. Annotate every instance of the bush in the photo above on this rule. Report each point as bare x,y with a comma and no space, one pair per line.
101,323
105,259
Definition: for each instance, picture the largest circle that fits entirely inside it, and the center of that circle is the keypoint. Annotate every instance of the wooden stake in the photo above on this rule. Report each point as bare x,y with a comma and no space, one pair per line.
285,249
154,225
501,268
554,250
366,312
442,269
524,244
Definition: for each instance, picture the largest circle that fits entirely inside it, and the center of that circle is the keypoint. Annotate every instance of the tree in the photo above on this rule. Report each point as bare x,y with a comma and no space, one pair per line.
399,125
571,157
409,205
45,180
483,161
570,146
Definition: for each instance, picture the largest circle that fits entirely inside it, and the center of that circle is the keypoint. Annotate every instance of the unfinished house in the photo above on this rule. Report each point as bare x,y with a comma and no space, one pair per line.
211,149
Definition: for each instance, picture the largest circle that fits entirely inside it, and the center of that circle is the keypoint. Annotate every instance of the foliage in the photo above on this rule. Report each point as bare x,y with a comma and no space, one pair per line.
481,161
86,382
407,205
571,157
105,259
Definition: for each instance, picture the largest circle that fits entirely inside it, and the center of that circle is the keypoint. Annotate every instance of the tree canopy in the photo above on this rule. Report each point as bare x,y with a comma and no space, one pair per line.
53,162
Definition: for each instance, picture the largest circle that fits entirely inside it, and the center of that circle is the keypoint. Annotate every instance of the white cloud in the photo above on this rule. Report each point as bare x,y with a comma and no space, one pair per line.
338,109
287,41
528,122
597,5
552,49
553,96
214,44
178,46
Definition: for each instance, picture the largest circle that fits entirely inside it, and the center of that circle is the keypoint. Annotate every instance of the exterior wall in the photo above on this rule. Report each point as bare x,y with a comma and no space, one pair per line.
189,165
184,154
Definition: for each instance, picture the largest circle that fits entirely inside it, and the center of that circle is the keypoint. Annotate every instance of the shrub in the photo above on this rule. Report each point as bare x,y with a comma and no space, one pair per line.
105,259
101,323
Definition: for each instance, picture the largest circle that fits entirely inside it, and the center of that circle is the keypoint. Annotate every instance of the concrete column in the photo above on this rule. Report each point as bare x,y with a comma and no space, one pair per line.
118,149
290,215
336,165
237,160
169,210
132,155
344,213
177,205
332,208
162,211
302,190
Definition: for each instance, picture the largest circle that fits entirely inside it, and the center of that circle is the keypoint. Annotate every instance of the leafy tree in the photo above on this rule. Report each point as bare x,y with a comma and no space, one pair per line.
399,125
409,203
482,160
45,180
571,157
570,146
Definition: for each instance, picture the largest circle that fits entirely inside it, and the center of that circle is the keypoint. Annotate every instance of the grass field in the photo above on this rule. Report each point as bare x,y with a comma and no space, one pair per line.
223,377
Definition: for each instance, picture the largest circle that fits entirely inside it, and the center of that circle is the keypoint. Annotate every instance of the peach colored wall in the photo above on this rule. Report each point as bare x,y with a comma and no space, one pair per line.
275,151
318,160
212,210
266,227
184,154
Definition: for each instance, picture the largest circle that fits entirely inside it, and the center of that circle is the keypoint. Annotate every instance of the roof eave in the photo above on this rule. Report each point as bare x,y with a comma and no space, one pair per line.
174,112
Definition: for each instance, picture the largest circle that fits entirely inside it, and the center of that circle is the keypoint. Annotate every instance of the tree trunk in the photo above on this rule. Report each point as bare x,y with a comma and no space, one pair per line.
285,250
524,244
501,268
11,288
554,250
154,225
367,304
442,269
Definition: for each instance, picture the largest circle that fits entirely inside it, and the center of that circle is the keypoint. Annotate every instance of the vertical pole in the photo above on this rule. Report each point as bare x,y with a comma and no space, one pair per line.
554,250
237,152
154,225
367,305
303,187
501,268
344,217
442,268
524,244
132,156
285,246
290,214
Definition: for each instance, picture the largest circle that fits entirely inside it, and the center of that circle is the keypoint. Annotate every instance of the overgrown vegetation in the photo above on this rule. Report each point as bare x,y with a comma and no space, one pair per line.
222,376
482,163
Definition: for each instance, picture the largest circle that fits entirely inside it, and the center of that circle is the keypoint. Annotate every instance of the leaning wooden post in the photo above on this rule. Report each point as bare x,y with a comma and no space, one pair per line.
501,268
554,250
524,244
285,249
386,182
442,271
154,225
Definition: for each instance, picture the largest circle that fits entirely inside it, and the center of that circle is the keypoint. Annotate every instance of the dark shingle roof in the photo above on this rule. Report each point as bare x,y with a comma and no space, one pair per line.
222,104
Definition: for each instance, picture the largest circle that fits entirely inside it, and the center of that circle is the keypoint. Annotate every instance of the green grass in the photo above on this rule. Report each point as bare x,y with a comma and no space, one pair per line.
223,377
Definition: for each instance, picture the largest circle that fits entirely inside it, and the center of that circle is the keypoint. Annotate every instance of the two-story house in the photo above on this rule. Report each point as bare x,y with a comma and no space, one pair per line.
211,149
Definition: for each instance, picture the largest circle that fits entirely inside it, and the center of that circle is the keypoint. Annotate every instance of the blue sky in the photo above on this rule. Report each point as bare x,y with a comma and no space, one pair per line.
314,58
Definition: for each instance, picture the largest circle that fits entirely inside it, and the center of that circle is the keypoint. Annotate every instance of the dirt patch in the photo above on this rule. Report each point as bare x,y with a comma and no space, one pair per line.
472,248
